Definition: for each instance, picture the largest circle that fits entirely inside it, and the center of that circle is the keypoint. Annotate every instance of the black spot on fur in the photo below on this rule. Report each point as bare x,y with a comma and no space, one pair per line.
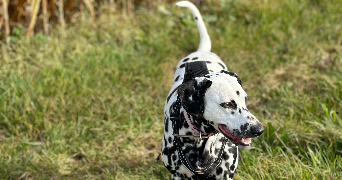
165,141
168,151
168,167
225,174
244,127
166,124
208,62
240,110
186,125
222,65
233,151
194,58
195,69
174,157
232,167
188,140
209,128
182,65
170,140
227,164
233,75
174,111
225,155
238,93
186,59
219,170
168,98
216,150
206,159
222,139
196,18
229,143
177,78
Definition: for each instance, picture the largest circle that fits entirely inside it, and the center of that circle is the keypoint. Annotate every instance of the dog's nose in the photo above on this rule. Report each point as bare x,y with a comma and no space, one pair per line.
258,130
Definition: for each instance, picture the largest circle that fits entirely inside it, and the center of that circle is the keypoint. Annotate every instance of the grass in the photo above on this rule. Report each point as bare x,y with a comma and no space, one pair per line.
87,102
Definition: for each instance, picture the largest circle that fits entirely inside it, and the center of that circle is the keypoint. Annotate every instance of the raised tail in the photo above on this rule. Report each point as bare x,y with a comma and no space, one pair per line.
205,43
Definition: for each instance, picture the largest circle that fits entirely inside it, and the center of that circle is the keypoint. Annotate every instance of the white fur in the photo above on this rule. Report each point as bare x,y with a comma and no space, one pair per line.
205,43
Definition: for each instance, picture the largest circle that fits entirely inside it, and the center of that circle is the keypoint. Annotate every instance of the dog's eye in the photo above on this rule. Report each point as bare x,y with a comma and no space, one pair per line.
231,105
224,105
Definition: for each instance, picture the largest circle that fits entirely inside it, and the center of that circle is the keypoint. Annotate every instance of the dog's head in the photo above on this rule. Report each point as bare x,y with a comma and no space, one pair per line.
220,100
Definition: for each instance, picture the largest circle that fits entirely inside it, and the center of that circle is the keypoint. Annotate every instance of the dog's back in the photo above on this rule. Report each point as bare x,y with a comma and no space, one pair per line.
212,62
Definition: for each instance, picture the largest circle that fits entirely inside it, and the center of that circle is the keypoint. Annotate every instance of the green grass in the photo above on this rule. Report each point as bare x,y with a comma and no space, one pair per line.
87,102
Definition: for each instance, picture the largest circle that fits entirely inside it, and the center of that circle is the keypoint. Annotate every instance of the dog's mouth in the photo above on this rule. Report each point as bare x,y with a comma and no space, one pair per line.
235,139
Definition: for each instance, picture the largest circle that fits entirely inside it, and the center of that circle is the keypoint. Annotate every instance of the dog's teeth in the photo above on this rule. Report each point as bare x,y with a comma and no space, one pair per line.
243,141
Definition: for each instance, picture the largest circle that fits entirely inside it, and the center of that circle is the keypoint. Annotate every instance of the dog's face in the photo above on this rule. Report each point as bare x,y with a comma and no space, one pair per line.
220,99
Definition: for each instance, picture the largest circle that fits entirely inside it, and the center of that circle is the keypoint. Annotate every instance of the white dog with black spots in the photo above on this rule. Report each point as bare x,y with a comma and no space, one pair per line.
205,115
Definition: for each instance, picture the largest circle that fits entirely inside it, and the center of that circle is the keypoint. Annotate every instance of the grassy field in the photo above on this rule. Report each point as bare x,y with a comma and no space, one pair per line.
87,102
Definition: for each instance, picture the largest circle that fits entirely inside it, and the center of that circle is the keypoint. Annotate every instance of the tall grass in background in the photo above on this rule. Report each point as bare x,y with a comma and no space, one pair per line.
86,102
28,13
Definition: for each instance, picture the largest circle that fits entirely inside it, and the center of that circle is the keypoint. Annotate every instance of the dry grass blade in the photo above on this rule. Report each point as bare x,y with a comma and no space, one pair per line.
24,175
45,17
61,13
1,18
90,7
7,29
34,12
129,7
26,12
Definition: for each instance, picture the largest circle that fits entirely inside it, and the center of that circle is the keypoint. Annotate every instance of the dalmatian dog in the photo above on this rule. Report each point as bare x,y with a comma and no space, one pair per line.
205,115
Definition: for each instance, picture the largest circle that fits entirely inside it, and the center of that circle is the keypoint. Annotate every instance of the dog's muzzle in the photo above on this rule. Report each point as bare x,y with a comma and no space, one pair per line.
256,130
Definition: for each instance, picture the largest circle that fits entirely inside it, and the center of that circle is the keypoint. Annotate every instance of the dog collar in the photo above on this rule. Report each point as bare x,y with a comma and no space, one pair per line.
196,130
193,127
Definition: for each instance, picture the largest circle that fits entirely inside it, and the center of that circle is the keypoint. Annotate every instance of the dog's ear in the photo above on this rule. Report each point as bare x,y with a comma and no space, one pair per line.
232,74
192,94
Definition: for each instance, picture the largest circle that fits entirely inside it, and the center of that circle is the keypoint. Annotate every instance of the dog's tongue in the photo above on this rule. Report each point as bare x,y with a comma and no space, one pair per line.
246,140
236,139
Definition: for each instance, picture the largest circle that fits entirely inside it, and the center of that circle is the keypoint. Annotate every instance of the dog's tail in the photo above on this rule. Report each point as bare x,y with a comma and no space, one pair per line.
205,43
